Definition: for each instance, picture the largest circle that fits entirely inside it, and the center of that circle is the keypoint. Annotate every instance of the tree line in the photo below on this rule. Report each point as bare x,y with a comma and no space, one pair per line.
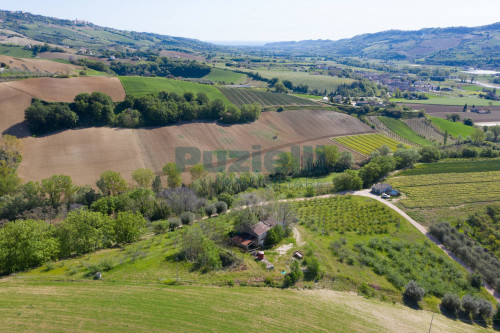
98,109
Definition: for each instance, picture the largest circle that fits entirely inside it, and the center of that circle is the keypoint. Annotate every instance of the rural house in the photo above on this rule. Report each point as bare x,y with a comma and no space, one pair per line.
381,188
255,235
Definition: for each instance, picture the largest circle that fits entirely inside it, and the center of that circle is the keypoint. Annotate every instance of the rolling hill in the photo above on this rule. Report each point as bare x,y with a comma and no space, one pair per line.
471,46
20,26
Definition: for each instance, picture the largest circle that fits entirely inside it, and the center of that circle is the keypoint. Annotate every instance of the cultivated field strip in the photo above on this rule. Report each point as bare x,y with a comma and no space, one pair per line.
426,129
381,127
366,143
446,190
240,96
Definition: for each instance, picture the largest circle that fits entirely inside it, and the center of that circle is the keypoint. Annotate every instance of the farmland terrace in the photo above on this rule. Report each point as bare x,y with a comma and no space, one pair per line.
442,110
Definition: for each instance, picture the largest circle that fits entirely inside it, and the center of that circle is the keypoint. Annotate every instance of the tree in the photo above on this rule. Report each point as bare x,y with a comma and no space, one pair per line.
232,115
287,164
477,135
406,157
174,179
128,227
227,198
470,305
445,138
413,292
143,177
484,309
197,172
57,186
157,185
280,88
370,173
294,275
345,161
349,180
313,268
111,183
25,244
384,150
221,207
468,122
429,154
496,131
274,235
250,112
83,231
244,220
331,156
451,303
210,209
454,117
187,218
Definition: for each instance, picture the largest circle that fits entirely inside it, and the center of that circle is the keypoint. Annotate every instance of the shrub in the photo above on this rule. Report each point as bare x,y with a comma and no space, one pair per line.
227,198
310,192
451,303
210,209
475,280
366,290
274,235
160,227
128,227
470,305
294,275
187,217
221,207
174,223
413,292
485,309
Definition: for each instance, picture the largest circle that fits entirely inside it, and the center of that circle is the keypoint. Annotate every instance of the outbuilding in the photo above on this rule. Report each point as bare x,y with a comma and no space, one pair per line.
381,188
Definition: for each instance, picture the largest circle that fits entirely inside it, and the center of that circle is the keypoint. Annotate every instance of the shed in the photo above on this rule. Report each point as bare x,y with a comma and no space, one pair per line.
381,188
259,231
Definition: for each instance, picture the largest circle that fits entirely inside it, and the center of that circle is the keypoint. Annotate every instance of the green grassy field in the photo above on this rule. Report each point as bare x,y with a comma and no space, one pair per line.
453,166
366,143
319,82
453,128
140,86
240,96
222,75
15,51
449,101
105,307
401,129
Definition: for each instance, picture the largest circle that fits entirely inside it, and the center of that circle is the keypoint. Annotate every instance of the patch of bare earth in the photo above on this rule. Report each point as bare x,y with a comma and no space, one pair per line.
85,153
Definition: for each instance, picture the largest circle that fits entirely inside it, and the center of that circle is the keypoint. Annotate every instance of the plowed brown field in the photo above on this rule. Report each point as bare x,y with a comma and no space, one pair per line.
442,110
15,96
85,153
39,65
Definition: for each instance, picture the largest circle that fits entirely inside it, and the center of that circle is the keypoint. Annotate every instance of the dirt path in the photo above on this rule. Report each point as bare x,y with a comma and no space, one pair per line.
298,237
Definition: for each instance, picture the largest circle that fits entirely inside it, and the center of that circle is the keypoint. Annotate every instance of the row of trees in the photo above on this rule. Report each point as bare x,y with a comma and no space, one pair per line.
98,109
30,243
161,66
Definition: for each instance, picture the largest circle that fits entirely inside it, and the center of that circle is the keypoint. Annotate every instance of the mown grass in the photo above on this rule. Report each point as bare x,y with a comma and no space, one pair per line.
226,76
404,131
454,128
140,86
121,307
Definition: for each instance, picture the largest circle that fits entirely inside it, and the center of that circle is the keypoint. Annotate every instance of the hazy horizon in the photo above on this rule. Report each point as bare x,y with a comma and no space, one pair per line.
227,22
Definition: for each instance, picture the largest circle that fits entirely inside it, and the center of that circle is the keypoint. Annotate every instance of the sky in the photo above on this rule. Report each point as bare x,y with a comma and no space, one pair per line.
271,20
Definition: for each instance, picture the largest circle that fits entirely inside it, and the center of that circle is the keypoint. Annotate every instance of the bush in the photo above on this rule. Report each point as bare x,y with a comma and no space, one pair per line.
313,268
187,217
413,292
274,235
210,209
366,290
160,227
475,280
310,192
485,309
294,275
221,207
470,305
227,198
451,303
174,223
129,227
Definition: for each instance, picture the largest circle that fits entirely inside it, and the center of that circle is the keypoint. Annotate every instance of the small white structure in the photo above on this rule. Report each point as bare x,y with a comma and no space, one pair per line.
325,99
